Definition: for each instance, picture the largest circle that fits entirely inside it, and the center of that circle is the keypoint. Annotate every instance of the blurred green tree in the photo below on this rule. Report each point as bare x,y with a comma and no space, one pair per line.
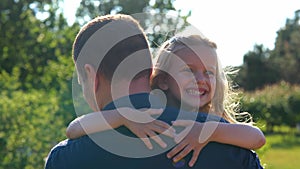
36,71
30,124
263,66
29,42
256,71
157,15
35,80
275,105
286,55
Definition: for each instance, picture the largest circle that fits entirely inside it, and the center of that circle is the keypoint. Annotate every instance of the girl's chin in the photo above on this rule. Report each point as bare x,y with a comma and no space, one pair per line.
196,100
190,107
193,105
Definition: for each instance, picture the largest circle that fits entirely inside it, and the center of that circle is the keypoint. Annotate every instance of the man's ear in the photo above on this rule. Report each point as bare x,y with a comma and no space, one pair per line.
162,81
92,77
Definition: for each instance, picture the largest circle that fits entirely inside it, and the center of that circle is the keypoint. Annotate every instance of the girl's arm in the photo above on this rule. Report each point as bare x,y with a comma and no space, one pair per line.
141,123
242,135
94,122
196,135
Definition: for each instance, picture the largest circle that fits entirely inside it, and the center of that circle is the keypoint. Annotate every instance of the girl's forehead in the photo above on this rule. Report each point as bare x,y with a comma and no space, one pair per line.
196,55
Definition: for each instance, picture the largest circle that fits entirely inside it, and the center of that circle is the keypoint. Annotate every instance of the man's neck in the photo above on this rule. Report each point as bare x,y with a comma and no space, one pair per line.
124,88
140,85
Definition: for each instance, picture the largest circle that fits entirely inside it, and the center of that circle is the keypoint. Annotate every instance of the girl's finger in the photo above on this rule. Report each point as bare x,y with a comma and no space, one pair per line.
182,134
164,128
160,130
154,111
157,139
194,157
169,132
162,124
183,153
183,123
176,149
147,142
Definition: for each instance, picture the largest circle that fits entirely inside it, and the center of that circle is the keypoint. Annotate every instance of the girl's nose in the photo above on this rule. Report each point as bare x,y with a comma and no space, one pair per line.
199,77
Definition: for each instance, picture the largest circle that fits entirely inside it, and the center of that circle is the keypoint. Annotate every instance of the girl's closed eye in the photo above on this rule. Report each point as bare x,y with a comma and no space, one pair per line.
209,73
186,69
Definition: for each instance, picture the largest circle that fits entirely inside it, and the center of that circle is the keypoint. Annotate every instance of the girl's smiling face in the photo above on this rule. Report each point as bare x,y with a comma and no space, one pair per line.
192,77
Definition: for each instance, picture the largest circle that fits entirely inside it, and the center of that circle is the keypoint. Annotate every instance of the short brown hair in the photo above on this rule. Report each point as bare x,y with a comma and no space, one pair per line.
113,56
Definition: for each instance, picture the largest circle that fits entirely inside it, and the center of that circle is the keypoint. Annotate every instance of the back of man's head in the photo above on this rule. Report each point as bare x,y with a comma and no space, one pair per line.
115,45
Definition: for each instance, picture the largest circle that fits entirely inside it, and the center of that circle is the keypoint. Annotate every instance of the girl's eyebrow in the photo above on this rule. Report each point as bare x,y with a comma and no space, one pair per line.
211,67
184,66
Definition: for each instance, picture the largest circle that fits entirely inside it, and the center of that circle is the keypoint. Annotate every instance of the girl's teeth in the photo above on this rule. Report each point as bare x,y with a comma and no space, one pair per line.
195,92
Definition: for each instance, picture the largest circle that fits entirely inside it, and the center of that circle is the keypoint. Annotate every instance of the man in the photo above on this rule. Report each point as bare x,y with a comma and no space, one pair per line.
113,62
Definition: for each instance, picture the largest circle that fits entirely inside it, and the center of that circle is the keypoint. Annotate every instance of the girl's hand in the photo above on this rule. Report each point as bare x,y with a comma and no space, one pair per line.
190,139
144,126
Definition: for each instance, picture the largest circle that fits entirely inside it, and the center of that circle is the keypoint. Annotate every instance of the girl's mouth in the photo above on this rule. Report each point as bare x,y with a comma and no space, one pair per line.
196,92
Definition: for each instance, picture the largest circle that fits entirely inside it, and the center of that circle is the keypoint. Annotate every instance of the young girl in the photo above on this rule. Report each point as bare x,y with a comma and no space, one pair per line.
189,74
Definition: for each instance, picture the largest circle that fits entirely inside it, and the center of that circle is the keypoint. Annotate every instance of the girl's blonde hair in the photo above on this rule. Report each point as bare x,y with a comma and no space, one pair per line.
225,101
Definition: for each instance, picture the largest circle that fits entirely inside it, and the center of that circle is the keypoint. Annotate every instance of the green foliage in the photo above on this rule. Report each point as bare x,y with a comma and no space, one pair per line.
28,43
89,9
263,66
36,71
286,54
30,126
10,82
159,16
275,105
35,81
33,121
256,71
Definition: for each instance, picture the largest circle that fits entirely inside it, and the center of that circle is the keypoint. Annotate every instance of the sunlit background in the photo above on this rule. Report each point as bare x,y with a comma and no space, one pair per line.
233,24
36,69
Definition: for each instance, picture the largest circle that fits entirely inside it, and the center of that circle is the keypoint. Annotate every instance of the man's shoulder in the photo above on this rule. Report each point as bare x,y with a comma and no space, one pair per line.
67,152
71,142
218,155
172,113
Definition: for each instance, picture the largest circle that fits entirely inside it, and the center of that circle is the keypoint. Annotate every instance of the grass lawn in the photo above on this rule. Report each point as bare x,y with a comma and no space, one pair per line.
280,158
282,151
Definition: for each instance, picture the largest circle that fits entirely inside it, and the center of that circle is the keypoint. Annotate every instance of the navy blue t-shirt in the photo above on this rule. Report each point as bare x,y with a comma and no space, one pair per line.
119,148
